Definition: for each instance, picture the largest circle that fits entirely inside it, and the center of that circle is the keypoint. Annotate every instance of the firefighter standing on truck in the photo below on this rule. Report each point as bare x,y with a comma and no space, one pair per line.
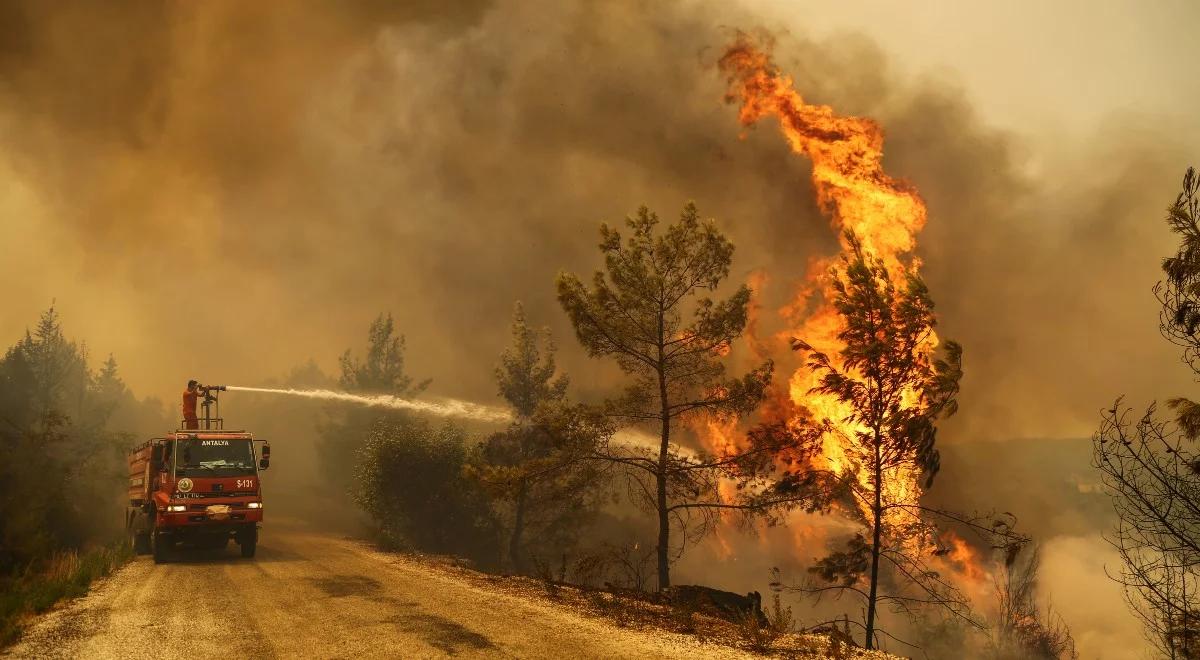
190,420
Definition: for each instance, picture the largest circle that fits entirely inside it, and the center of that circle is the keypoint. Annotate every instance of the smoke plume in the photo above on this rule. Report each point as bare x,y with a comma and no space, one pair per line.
229,189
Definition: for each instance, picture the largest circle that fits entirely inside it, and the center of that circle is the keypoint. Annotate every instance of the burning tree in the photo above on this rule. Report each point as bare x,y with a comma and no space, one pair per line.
874,384
635,313
1151,468
892,391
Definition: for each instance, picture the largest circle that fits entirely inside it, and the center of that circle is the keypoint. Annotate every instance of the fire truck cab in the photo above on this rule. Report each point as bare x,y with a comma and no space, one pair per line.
197,487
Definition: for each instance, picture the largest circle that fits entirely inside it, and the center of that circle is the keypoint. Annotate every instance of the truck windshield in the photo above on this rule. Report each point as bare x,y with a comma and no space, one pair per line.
214,458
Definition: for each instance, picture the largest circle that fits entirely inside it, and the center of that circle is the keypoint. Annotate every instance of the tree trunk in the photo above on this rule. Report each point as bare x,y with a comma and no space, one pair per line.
664,519
514,544
877,533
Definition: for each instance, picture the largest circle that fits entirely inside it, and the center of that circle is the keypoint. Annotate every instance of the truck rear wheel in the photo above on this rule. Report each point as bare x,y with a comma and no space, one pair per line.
139,542
249,542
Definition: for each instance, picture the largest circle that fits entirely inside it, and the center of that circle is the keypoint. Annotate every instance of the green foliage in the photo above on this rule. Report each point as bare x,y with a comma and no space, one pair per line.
537,471
380,372
543,485
526,375
410,480
61,468
636,312
1179,294
66,575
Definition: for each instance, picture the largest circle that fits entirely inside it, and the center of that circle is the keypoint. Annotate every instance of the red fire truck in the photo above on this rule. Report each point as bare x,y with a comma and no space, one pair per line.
197,487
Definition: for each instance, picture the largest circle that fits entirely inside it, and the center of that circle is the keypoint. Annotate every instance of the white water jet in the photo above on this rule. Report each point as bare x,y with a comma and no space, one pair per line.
445,408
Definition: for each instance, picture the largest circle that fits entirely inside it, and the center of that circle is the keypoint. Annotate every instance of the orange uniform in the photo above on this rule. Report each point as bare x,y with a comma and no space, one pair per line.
189,409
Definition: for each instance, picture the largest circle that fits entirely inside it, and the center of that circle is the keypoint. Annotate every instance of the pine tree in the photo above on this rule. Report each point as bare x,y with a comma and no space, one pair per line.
538,468
895,391
381,371
636,312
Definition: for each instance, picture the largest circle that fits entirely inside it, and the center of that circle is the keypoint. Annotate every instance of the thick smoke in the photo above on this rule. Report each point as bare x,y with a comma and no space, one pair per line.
227,190
223,190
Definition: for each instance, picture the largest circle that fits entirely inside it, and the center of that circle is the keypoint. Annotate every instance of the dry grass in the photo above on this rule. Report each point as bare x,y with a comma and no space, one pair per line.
64,575
628,608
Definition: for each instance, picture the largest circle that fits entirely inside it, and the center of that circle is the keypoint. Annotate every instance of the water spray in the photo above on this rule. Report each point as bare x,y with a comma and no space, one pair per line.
445,408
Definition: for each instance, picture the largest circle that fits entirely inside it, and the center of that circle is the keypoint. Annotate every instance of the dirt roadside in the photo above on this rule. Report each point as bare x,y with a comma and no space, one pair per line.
312,595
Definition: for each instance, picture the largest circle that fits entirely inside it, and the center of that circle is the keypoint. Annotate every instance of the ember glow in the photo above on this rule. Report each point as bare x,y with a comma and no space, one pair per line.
856,195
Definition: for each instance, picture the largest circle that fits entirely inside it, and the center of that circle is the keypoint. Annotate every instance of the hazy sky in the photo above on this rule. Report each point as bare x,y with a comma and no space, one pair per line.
222,192
1037,66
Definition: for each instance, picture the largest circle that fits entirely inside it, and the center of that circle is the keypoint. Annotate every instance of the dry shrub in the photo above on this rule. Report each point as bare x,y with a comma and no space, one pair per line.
780,618
759,637
683,613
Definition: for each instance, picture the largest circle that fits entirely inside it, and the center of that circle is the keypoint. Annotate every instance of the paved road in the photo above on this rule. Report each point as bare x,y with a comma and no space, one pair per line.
313,595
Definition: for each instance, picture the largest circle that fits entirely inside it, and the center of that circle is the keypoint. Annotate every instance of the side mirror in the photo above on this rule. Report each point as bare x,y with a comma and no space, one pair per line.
264,463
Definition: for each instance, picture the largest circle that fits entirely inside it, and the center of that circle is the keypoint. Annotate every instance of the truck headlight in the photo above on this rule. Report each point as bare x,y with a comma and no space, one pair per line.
177,508
254,505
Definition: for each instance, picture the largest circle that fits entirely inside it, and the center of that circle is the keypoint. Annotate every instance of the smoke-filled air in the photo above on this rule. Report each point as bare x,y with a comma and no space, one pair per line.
675,329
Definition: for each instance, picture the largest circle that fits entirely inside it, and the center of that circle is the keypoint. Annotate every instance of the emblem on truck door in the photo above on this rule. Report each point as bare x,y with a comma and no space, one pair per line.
184,485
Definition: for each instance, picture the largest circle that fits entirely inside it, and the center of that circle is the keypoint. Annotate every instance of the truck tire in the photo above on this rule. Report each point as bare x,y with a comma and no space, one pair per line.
158,545
249,542
139,542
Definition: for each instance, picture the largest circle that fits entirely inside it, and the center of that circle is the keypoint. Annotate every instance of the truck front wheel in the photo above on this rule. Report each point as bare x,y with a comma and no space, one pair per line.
158,545
249,542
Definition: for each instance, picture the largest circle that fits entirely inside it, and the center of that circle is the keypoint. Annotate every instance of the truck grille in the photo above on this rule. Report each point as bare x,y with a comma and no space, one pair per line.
202,518
232,505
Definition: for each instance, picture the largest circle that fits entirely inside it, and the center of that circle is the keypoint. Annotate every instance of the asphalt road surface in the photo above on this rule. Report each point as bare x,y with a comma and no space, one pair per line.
313,595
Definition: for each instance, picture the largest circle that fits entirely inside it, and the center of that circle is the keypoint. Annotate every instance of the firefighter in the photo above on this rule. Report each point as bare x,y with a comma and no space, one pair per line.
189,405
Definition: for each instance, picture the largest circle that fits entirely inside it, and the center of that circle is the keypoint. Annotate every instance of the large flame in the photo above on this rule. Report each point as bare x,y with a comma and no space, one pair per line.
857,195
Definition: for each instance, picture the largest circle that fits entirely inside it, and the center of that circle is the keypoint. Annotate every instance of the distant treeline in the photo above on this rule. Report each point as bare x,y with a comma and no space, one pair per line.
64,430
